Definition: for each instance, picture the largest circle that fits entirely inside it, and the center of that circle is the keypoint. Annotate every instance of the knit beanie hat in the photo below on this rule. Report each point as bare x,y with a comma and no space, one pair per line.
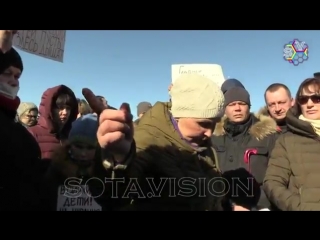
143,107
230,83
10,58
195,96
24,107
237,94
84,130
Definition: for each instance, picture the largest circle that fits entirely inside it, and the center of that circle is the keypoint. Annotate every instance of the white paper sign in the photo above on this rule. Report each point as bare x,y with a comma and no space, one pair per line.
44,43
212,71
76,200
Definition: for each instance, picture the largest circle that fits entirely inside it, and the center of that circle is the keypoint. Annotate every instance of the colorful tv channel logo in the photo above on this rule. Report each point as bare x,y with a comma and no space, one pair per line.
296,52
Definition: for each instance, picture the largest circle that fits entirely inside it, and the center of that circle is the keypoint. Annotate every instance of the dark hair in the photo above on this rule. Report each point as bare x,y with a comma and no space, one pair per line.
315,82
64,100
275,87
316,75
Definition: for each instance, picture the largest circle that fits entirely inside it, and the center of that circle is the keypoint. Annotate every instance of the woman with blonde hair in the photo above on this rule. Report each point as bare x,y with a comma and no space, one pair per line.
83,107
292,181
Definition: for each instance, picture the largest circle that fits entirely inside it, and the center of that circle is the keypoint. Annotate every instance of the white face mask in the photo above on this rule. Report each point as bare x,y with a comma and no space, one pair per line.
9,91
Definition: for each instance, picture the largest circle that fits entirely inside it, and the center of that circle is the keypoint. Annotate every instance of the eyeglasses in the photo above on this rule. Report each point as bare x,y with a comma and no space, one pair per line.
31,116
305,99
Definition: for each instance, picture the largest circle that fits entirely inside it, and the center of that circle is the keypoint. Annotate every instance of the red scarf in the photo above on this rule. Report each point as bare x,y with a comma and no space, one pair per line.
9,104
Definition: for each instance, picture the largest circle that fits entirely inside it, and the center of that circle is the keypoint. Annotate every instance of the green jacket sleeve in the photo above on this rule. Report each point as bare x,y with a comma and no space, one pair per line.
277,179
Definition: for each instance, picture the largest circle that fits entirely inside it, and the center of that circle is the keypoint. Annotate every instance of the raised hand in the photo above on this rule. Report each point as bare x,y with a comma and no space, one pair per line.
115,131
240,209
6,37
96,105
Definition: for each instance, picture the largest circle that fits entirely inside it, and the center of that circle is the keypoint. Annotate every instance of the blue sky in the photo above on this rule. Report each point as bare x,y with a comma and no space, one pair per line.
135,66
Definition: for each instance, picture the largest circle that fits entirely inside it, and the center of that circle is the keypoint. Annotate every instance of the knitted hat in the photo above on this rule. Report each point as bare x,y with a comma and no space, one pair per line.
143,107
24,107
84,130
195,96
10,58
237,94
230,83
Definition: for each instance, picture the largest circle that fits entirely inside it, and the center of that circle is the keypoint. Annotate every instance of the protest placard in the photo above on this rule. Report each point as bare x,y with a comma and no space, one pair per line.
81,201
45,43
212,71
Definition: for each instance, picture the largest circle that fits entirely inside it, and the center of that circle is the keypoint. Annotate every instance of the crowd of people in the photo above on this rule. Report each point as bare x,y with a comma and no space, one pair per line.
202,150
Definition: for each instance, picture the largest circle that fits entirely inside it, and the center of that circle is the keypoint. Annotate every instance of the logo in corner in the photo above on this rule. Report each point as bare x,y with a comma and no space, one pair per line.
296,52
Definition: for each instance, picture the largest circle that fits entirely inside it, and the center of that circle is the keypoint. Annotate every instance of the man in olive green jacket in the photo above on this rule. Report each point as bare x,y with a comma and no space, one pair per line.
170,162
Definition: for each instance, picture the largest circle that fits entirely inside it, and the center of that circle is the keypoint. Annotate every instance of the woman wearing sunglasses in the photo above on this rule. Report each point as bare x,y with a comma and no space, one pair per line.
292,181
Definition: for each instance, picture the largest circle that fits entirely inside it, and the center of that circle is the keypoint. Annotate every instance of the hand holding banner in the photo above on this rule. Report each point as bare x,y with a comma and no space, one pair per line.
6,37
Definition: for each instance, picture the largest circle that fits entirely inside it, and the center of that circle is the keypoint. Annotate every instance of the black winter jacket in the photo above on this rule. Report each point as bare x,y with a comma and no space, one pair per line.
243,152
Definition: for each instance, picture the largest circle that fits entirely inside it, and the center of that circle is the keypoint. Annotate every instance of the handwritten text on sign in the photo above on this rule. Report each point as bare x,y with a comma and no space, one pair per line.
212,71
45,43
82,202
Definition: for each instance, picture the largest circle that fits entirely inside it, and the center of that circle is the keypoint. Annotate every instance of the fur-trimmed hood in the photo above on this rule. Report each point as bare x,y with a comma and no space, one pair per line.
261,129
62,164
263,112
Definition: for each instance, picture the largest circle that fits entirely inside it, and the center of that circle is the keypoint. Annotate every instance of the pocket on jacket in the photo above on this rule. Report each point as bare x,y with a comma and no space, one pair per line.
220,148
